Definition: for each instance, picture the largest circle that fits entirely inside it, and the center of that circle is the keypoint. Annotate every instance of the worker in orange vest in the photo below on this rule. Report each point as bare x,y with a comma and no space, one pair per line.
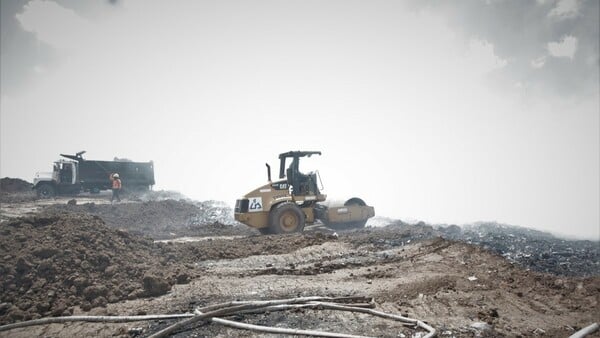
116,187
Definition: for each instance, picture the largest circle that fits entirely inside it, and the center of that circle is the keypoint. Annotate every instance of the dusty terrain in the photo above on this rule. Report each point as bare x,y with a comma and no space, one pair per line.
83,255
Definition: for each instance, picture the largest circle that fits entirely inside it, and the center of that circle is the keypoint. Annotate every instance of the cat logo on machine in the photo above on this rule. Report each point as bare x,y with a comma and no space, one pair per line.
280,186
255,204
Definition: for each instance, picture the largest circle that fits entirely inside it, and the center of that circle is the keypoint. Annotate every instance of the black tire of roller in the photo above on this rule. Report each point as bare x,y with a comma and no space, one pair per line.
286,218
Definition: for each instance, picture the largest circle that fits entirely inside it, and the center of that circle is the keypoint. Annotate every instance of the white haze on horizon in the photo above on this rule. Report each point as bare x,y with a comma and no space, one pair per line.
417,114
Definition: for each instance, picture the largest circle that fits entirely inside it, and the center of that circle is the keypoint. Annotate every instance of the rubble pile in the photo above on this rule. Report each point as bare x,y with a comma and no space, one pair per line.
533,249
536,250
49,264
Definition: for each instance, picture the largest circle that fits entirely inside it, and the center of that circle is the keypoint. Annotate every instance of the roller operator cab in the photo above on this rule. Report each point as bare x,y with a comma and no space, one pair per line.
288,204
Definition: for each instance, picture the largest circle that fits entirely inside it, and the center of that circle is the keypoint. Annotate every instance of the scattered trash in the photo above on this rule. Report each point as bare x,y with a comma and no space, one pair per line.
481,326
533,249
472,278
135,331
539,332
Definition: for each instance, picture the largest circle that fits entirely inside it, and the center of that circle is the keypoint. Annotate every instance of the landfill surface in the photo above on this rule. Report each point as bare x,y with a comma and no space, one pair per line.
160,253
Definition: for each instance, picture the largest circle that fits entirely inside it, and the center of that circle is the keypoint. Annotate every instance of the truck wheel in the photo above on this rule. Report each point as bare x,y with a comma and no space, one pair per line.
45,191
286,218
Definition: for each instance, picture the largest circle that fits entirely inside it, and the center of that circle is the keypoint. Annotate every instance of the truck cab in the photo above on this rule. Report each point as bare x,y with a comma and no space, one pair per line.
63,178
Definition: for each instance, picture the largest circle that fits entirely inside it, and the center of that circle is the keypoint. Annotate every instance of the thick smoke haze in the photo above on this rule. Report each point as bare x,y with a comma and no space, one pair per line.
447,112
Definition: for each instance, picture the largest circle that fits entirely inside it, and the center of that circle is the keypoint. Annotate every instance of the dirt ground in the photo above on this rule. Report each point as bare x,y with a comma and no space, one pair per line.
90,257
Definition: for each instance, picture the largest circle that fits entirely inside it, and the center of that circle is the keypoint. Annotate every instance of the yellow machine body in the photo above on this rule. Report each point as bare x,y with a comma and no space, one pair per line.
287,205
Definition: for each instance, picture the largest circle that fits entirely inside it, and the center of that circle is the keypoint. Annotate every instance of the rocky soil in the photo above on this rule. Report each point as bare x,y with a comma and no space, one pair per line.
83,255
50,264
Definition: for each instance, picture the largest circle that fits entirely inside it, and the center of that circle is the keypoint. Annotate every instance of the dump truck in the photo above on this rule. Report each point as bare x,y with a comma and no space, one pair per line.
75,174
295,200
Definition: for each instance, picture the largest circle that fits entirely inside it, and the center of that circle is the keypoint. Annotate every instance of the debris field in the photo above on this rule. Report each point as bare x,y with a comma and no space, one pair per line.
84,256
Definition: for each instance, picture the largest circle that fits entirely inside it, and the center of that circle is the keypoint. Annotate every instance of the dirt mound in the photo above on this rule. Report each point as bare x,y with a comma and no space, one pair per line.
14,190
162,219
53,263
12,185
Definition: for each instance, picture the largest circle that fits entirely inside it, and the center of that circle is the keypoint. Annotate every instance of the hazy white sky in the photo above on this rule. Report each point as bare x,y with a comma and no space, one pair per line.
448,112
